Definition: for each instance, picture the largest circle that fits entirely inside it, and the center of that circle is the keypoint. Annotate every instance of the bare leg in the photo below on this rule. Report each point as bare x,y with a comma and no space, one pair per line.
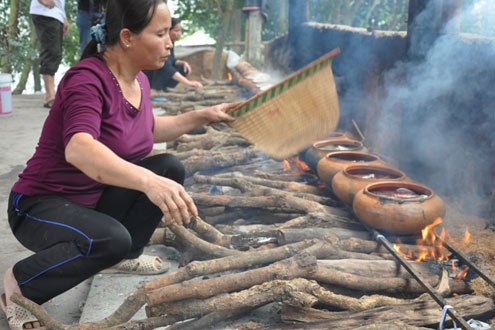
49,81
11,286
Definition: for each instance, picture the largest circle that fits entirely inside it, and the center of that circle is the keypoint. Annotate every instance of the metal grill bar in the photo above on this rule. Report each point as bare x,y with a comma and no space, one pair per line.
431,291
465,260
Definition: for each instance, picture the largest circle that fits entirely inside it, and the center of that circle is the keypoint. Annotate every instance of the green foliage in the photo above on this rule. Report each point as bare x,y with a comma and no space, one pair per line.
22,47
372,14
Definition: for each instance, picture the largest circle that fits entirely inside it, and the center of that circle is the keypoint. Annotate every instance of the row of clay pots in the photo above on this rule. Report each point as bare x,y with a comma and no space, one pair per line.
381,195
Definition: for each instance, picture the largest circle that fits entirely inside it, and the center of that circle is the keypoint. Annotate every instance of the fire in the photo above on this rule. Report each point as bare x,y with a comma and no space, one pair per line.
467,237
229,75
429,247
286,165
300,166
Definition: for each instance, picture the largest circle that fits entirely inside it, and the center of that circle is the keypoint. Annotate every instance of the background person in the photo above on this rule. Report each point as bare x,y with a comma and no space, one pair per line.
90,198
50,23
174,71
89,13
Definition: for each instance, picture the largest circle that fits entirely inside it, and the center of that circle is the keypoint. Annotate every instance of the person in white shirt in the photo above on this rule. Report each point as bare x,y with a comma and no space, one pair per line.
50,23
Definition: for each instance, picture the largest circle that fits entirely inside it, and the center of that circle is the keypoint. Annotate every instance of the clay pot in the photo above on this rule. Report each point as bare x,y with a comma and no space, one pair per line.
321,148
347,182
398,207
336,161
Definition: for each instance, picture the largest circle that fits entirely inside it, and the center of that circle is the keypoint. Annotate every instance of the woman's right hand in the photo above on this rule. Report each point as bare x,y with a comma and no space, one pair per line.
172,198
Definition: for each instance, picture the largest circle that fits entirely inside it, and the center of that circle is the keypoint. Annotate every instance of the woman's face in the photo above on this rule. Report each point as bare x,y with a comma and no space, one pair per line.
175,32
152,46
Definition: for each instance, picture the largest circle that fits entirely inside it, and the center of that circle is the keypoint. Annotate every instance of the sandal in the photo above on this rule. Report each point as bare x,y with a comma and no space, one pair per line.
18,316
144,265
48,104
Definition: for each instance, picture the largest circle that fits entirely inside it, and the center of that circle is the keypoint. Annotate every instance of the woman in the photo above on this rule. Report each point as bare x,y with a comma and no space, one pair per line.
89,197
174,71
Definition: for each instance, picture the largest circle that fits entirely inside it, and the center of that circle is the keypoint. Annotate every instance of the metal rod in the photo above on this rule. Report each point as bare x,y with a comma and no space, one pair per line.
465,260
431,291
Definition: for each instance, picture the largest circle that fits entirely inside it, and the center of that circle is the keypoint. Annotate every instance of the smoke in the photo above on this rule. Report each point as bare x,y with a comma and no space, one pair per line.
441,104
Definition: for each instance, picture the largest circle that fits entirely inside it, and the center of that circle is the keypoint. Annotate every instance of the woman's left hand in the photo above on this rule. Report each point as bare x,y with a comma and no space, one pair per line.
219,112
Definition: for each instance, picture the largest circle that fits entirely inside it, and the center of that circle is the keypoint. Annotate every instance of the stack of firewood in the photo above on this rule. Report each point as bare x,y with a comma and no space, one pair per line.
270,234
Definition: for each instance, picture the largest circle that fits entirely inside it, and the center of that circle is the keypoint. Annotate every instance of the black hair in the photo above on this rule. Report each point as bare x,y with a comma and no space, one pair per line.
175,21
134,15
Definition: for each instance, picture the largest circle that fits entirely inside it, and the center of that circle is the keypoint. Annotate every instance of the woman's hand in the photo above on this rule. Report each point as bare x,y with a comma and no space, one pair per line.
218,113
47,3
172,199
194,84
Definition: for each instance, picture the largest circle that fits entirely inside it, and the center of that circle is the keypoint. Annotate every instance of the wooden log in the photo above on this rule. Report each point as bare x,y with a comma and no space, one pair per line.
312,220
212,139
356,244
391,285
210,233
281,185
298,266
277,203
380,268
190,242
218,161
213,266
294,292
209,320
258,187
252,215
291,235
423,312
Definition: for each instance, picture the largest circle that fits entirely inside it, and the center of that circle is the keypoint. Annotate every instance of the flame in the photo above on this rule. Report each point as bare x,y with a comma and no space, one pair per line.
467,237
461,274
428,246
300,166
229,75
286,165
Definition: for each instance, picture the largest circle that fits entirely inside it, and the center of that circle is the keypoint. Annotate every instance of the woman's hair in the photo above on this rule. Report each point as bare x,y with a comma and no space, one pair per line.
134,15
175,21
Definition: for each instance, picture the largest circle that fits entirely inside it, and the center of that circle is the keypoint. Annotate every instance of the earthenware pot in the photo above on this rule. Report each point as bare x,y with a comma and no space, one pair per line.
399,207
347,182
321,148
336,161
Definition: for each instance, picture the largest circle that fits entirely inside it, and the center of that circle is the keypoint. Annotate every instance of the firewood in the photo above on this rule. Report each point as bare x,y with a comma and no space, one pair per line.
213,266
257,215
280,185
300,265
314,220
275,203
367,246
291,235
212,139
295,292
190,242
424,312
217,161
380,268
391,285
210,319
209,233
258,187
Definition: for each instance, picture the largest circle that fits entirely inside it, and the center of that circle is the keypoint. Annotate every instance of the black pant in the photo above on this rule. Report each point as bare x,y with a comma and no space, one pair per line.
72,242
159,79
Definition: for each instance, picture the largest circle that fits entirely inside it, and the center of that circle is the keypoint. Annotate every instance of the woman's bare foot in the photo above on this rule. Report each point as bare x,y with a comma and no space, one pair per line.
11,286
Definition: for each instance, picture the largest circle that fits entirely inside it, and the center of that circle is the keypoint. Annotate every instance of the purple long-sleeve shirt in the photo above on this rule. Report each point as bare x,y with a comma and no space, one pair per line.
89,99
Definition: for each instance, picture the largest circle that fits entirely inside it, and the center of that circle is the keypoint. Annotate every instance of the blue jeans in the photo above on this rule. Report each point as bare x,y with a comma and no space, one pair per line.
85,20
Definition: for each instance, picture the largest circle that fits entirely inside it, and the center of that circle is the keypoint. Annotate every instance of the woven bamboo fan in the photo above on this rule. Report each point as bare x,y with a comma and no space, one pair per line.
293,114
